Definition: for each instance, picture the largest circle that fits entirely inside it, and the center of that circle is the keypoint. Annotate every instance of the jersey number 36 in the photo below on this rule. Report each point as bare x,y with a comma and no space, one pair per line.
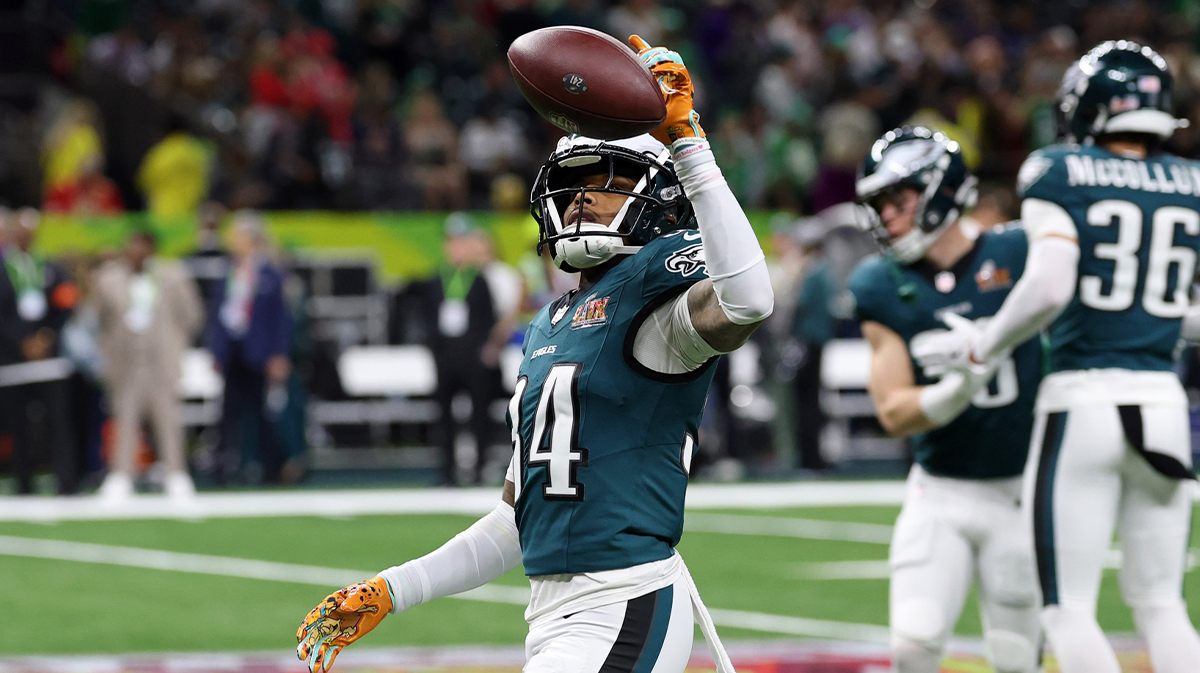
1125,256
555,438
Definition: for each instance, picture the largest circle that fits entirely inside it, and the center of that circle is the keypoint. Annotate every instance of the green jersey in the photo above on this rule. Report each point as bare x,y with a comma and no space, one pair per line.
604,443
991,437
1139,231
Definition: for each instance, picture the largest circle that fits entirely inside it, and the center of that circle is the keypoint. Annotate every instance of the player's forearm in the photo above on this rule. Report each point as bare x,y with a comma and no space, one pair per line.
474,557
899,412
1044,290
733,257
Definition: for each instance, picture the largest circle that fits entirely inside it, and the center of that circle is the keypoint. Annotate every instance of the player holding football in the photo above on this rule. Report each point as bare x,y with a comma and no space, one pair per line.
970,428
606,408
1114,231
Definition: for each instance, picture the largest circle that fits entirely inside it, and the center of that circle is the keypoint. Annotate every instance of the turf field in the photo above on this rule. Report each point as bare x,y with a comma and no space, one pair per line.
243,584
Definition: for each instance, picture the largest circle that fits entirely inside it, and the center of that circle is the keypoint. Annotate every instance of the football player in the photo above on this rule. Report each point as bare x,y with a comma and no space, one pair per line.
1114,231
970,428
606,409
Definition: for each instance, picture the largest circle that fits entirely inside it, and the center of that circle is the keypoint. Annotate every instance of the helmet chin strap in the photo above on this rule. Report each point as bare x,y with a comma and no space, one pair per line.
585,252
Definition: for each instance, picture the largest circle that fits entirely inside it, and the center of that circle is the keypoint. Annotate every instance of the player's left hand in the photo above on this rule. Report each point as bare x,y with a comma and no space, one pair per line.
949,351
342,618
667,66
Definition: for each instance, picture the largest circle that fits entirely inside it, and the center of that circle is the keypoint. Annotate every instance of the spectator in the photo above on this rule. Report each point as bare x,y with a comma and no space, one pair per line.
36,299
148,311
72,147
492,146
90,194
208,262
173,176
432,144
812,328
471,307
250,331
81,345
379,151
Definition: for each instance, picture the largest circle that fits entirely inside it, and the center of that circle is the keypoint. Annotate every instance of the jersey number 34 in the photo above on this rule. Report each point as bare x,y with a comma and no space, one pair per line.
554,442
1124,254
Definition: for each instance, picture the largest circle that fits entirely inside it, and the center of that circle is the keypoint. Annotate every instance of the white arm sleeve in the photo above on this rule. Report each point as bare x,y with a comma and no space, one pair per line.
734,259
668,343
1045,287
474,557
943,401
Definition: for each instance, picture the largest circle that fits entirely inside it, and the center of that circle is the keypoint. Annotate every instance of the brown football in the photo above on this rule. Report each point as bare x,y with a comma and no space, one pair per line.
586,82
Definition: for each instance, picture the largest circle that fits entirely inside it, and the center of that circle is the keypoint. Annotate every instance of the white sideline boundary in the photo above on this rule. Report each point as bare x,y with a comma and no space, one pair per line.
227,566
477,501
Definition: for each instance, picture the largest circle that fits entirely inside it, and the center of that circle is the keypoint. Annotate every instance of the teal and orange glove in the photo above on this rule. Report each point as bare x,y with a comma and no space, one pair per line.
342,618
682,120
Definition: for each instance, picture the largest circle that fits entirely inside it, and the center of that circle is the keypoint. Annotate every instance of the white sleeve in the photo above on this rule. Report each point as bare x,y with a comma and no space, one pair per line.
1046,286
668,343
734,259
474,557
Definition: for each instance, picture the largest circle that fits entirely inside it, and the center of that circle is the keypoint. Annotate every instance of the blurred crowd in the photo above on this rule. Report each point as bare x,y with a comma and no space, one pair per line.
92,353
406,104
188,109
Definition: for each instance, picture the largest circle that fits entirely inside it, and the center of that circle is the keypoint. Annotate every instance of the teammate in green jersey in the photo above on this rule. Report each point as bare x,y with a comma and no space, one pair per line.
1114,227
970,429
606,409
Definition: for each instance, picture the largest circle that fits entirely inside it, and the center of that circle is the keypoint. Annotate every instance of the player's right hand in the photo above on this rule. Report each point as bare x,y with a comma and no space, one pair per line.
342,618
682,120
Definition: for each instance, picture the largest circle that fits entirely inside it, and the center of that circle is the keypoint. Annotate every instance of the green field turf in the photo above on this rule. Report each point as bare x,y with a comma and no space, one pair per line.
80,607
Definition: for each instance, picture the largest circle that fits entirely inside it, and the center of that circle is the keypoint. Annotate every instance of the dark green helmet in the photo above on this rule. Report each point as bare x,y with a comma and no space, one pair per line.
922,159
1117,87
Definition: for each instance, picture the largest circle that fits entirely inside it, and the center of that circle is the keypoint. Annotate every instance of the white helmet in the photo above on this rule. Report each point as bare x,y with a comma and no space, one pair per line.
654,206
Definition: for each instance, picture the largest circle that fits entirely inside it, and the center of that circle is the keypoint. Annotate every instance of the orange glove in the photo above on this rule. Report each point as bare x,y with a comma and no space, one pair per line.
667,67
342,618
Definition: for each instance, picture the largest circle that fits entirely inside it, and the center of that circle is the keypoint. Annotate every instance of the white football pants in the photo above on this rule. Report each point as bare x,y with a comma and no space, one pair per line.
951,532
648,634
1083,479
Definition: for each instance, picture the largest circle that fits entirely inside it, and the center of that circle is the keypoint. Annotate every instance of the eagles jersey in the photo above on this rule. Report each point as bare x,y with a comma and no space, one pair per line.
1139,231
991,437
604,443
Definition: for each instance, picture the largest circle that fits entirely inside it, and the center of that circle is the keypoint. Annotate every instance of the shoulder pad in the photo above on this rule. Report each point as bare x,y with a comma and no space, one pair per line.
872,285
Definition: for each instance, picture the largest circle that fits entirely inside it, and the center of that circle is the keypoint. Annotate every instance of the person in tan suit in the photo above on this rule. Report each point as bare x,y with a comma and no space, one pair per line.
149,311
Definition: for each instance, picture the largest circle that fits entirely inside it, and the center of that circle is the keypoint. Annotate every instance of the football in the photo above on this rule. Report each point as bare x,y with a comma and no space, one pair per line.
586,82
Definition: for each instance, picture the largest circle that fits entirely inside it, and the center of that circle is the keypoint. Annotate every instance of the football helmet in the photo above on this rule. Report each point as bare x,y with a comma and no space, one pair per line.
655,205
1118,86
922,159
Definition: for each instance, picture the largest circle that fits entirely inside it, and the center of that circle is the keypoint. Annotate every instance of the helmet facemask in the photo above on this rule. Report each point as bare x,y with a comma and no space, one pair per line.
655,203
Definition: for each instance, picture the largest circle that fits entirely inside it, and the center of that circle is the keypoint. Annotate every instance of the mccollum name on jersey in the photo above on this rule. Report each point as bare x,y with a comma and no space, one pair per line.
1131,174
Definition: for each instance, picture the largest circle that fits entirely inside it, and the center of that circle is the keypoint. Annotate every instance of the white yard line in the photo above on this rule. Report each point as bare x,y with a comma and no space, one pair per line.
226,566
842,570
879,570
478,501
799,626
808,529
